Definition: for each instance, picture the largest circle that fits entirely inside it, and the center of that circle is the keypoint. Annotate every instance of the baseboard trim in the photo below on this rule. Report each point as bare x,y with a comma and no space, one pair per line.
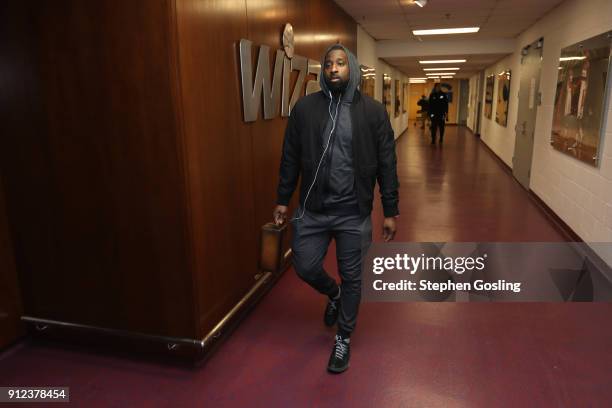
561,226
193,350
504,165
595,265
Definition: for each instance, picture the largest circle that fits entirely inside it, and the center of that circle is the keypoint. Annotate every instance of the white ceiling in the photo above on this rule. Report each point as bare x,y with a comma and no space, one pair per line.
474,64
395,20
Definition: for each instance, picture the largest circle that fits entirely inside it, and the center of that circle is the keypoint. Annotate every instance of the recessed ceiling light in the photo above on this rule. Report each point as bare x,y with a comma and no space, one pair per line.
441,69
571,58
455,61
417,81
437,31
441,73
447,76
417,78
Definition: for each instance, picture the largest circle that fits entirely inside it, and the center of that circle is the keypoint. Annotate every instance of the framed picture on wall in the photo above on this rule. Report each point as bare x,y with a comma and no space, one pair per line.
386,96
398,102
368,81
488,108
580,99
503,97
405,96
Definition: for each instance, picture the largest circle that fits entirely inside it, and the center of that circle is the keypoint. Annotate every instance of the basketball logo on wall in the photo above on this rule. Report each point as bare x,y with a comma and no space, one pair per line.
274,90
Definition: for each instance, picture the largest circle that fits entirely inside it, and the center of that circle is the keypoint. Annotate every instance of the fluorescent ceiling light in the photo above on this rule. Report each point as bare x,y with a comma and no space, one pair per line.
438,31
417,78
571,58
447,76
455,61
441,73
417,81
441,69
420,3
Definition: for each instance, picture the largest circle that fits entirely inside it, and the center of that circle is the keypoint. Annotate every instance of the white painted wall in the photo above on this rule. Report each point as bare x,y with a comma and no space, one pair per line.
473,99
366,54
501,138
580,194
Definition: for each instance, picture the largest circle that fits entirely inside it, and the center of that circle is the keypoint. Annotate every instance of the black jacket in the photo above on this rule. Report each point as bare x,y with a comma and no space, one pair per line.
438,104
373,153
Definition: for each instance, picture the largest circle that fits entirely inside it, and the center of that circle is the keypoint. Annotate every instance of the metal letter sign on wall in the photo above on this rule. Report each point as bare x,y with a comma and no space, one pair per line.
253,91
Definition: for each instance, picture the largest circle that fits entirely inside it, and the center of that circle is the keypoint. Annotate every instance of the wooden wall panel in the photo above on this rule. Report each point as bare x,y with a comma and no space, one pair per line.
93,172
265,26
134,189
219,155
233,166
11,327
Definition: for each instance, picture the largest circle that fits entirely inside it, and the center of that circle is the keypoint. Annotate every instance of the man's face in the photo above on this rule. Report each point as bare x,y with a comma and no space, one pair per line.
437,87
336,69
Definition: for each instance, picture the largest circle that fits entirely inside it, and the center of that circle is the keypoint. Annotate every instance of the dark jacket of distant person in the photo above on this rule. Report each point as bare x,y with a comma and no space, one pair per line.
438,103
423,103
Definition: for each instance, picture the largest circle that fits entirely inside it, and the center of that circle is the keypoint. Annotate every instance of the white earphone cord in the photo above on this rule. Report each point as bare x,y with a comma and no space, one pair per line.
314,179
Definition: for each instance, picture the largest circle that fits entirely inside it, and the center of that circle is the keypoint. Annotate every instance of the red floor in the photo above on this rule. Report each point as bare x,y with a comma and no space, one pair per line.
403,354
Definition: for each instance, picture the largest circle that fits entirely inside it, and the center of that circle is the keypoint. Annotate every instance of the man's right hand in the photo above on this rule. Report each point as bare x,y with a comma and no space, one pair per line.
280,214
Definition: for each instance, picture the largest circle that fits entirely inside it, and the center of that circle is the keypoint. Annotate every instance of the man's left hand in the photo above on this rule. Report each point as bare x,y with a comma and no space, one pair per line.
389,229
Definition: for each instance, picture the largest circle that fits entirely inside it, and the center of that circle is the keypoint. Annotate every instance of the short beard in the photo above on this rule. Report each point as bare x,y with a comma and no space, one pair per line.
336,87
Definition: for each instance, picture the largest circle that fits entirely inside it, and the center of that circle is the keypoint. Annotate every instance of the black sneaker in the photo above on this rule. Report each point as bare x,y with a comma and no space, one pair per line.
339,359
331,312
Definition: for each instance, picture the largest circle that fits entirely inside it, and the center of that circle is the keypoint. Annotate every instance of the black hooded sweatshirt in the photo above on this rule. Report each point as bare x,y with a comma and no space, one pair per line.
339,194
371,151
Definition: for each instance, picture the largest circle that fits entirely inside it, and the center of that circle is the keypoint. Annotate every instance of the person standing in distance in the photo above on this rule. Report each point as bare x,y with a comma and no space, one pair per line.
423,104
340,142
438,111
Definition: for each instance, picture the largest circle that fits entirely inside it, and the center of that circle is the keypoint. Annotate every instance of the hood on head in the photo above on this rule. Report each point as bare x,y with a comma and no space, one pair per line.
354,74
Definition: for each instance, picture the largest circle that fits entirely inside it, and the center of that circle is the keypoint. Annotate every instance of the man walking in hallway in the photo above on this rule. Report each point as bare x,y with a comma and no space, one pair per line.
438,112
340,142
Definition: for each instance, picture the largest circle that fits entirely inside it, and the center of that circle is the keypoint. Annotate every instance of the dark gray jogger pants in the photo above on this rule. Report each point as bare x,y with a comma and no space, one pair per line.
312,235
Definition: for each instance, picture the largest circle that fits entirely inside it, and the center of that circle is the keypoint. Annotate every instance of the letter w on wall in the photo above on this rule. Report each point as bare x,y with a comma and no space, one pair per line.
252,92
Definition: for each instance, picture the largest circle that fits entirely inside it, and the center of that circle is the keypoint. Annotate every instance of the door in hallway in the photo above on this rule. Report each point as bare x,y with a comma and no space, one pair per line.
416,90
529,99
